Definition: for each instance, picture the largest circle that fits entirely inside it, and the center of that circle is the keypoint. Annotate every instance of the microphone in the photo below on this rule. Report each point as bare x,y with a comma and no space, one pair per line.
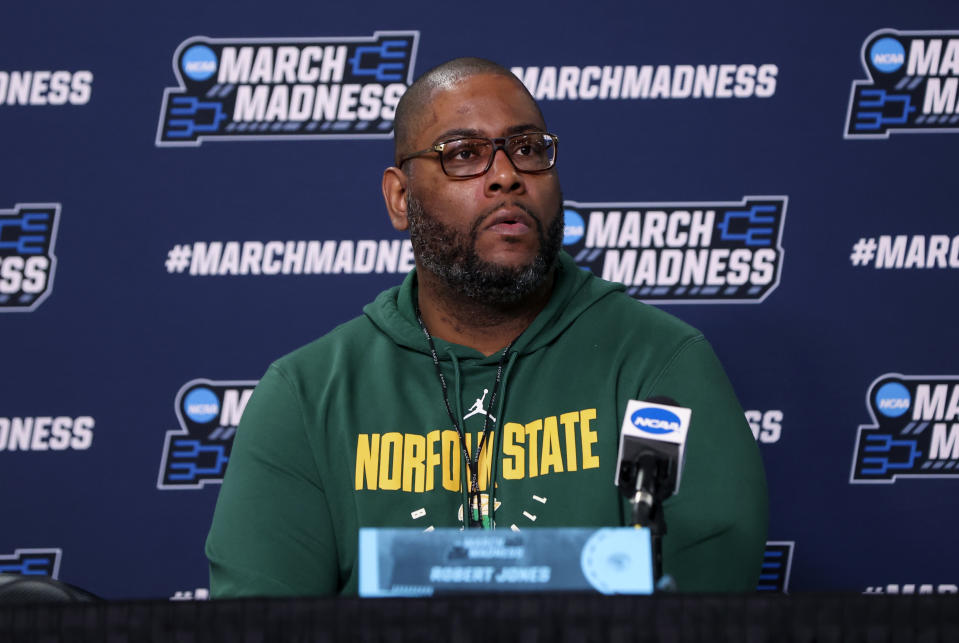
649,467
651,454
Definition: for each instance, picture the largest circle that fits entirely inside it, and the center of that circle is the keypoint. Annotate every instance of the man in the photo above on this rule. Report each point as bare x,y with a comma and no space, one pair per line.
495,333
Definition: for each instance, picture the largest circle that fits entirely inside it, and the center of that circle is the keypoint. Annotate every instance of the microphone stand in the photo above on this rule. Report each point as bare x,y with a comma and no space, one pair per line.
647,512
647,508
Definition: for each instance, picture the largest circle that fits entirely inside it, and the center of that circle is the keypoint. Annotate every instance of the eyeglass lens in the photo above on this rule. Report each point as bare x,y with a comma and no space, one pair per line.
528,152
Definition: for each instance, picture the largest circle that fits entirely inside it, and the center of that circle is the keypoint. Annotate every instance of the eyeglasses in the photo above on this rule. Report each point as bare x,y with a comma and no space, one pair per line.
464,158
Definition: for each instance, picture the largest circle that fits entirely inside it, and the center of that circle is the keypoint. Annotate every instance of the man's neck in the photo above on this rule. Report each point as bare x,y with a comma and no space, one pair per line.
461,320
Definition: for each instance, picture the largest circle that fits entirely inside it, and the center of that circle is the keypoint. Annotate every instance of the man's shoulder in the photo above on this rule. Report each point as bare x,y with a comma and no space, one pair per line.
342,342
618,312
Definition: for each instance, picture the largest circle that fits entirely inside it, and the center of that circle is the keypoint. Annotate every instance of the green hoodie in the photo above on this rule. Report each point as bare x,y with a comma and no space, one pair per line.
351,431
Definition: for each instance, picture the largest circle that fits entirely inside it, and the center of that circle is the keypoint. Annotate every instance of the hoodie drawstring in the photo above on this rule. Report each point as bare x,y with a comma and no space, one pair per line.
498,443
472,463
464,470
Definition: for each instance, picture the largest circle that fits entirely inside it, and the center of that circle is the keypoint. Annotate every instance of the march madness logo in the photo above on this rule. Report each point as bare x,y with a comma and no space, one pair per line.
286,88
28,234
777,565
32,562
913,84
915,430
708,252
197,453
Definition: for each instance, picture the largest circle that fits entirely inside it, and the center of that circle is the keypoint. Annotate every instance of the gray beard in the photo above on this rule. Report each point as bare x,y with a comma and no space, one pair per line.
452,257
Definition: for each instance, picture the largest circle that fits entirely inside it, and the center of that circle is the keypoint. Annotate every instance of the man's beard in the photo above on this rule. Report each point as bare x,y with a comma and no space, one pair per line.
451,256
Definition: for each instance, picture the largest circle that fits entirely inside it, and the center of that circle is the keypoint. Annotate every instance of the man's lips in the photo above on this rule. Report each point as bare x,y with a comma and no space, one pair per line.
512,220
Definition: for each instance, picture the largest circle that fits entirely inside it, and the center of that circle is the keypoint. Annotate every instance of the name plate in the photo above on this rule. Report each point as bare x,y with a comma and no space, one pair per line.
411,562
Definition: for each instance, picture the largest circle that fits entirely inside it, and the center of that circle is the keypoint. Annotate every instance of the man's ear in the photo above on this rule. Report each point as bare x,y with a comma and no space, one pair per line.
394,193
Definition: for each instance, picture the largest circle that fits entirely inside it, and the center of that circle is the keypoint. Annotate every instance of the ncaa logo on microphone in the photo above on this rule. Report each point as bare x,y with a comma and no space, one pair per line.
646,424
656,420
653,421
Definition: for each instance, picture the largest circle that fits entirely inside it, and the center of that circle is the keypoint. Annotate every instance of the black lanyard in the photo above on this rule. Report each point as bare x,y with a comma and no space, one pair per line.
474,518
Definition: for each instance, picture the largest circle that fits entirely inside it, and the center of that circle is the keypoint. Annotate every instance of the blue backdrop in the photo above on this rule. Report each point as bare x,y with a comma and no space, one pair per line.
150,157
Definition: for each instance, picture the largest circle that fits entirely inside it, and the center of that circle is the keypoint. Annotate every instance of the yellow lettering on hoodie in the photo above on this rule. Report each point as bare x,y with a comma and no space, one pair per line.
414,467
433,458
408,461
391,453
452,456
532,430
367,459
589,438
552,456
569,421
514,456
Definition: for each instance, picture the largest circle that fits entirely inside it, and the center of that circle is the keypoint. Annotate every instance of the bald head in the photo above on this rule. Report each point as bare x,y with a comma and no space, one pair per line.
412,106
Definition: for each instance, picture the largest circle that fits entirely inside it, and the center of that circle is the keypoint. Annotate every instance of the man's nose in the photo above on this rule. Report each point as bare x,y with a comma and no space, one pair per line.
503,175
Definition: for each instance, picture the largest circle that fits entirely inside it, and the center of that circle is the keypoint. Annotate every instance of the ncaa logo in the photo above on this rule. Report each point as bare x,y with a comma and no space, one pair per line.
199,62
574,228
201,405
893,399
655,421
887,55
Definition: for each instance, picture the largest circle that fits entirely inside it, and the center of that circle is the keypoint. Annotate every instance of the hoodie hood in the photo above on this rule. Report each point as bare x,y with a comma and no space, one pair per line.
574,291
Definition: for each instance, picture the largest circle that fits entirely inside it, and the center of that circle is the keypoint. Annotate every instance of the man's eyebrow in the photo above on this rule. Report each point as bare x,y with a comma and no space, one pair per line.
458,133
474,133
528,127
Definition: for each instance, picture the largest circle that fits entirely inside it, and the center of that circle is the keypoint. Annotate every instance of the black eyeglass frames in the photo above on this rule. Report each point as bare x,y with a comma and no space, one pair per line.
462,158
